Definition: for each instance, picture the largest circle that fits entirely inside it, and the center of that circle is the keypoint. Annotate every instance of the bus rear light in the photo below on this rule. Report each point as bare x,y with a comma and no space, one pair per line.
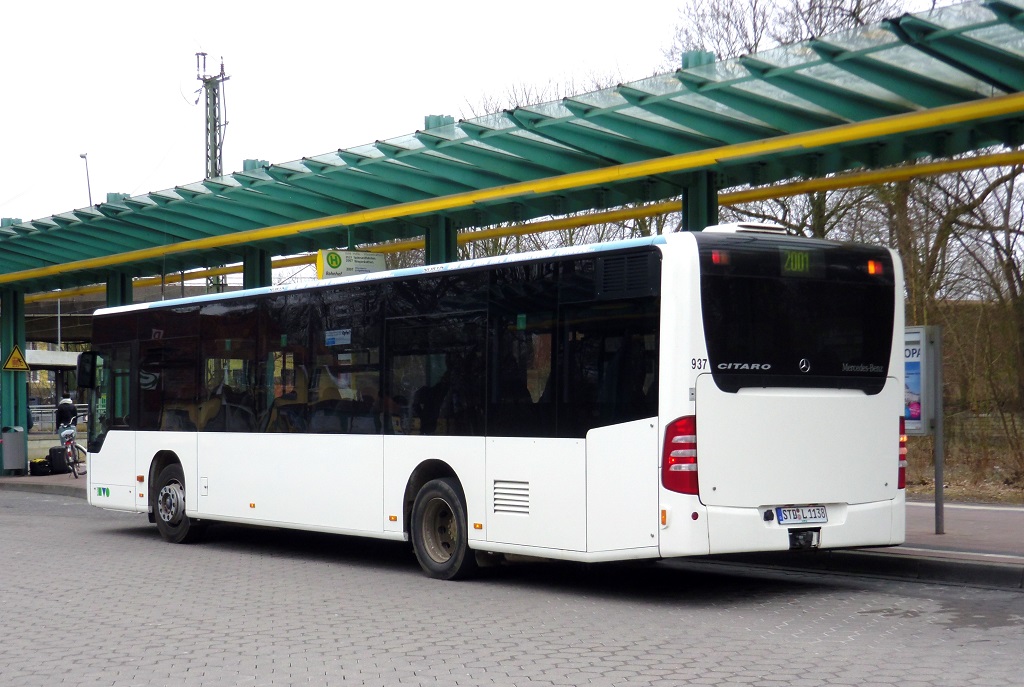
679,456
875,267
901,479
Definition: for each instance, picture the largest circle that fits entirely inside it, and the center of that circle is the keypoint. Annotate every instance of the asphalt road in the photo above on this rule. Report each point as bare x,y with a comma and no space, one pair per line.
91,597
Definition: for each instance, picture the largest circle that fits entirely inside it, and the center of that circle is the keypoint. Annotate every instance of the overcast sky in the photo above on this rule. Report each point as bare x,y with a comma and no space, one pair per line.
117,80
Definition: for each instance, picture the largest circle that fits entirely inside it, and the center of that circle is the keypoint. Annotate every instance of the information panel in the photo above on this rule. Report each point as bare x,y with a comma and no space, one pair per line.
344,263
918,407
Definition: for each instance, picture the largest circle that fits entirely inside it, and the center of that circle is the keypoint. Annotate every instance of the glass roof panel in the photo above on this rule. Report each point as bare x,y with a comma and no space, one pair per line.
491,149
408,142
906,58
788,56
590,124
701,102
293,166
769,91
367,150
450,132
553,110
856,85
523,133
659,85
868,38
605,99
1001,37
958,16
497,121
330,158
652,118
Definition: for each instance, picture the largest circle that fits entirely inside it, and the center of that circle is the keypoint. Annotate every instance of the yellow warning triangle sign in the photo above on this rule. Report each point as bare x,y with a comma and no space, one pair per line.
16,361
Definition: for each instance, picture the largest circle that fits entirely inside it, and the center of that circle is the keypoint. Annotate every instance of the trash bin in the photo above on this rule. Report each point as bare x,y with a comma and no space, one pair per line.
15,449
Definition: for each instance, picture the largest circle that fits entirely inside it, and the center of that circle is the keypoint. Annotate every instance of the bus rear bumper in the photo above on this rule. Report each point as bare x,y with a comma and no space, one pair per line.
744,530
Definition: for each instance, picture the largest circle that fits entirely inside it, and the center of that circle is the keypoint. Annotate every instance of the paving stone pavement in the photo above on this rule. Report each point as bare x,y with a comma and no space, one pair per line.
96,598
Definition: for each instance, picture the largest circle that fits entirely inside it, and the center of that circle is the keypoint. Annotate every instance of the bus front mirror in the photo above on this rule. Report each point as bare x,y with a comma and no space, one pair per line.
87,370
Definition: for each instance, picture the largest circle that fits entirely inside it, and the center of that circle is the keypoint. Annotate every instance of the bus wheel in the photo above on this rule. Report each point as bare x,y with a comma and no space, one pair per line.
174,526
439,533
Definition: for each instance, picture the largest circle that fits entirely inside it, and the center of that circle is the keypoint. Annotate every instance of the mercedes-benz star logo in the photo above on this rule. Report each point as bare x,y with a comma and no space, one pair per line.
805,365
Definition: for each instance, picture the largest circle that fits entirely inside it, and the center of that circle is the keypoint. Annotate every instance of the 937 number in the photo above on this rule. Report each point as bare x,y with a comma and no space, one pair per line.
698,363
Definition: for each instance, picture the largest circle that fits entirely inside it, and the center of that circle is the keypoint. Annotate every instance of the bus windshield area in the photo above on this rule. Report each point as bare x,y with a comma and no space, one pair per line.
796,313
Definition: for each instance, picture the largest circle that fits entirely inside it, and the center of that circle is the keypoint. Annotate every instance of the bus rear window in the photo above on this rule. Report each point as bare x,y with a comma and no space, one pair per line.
785,312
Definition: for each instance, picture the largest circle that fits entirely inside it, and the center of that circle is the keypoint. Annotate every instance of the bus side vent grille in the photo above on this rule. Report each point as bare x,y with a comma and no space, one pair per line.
627,276
511,497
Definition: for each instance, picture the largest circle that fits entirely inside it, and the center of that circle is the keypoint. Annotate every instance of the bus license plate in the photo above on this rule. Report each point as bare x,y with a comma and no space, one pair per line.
800,515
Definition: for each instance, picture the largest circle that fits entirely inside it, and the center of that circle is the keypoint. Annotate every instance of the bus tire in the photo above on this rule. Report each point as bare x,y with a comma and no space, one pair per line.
169,507
439,532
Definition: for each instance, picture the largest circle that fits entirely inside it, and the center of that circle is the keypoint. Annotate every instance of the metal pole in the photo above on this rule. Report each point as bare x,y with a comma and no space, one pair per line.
88,183
935,339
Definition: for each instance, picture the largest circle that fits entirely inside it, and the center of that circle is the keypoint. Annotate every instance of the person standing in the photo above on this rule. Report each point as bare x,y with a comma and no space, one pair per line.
67,413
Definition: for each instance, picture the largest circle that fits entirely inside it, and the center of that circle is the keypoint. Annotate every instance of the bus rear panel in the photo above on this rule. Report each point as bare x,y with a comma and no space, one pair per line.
788,437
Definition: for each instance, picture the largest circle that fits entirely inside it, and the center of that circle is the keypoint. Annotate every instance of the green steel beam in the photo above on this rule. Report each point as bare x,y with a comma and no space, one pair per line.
441,242
914,86
656,136
700,202
773,112
715,126
1001,69
119,288
603,147
844,102
13,385
468,175
484,156
256,269
558,159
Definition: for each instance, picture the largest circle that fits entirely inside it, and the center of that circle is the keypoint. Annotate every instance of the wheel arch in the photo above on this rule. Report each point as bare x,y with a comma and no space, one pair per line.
426,471
161,460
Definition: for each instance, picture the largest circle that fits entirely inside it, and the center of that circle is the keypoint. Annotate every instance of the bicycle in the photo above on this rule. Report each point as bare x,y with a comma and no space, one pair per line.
74,452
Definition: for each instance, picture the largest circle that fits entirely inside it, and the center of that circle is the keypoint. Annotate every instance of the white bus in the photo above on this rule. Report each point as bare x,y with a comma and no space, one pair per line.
732,390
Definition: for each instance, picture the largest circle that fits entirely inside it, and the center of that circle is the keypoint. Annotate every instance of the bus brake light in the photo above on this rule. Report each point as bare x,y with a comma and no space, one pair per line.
901,479
679,456
875,267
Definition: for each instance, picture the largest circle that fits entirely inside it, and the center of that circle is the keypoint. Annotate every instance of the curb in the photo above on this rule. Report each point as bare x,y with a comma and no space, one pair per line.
968,572
51,489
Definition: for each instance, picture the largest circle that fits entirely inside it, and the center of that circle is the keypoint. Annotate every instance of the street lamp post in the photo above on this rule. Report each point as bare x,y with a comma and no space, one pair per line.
88,184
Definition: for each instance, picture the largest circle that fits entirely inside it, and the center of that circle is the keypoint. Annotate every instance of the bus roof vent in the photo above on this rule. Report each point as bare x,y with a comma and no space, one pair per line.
748,228
627,276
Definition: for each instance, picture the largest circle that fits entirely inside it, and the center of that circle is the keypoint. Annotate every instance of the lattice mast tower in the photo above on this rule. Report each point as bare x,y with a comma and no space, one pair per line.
216,115
216,123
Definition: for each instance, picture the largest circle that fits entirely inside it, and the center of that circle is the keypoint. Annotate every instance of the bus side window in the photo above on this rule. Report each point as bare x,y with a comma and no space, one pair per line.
437,363
610,359
167,385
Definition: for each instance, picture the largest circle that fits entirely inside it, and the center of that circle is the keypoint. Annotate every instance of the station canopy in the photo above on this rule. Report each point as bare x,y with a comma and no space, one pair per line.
928,85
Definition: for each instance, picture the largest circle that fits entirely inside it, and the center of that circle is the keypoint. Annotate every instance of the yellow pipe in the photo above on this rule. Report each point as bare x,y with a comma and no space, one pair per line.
872,177
846,133
851,180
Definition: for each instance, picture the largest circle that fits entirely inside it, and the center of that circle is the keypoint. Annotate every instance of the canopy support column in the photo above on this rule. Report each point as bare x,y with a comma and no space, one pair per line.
256,268
700,201
13,386
442,242
119,289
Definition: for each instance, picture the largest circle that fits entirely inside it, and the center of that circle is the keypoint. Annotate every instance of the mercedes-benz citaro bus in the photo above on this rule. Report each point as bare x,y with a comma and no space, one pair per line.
731,390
